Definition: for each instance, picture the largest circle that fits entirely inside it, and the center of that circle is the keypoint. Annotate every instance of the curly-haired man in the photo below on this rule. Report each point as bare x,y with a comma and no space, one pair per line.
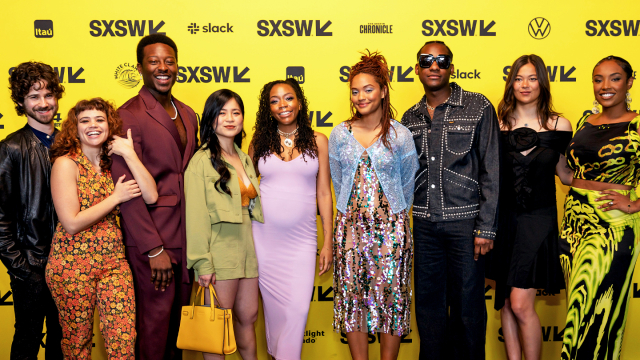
27,216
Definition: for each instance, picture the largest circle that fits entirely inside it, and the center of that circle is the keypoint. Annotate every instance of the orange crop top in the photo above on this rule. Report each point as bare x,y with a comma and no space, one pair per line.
246,193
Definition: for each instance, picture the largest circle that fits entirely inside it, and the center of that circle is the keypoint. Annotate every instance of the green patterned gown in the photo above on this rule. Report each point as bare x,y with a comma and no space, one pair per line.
598,249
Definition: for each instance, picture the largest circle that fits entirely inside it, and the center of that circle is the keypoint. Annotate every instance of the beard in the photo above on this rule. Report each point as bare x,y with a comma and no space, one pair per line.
42,119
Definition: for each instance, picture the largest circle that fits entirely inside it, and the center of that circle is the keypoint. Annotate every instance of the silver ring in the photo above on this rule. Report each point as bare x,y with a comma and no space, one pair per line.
610,202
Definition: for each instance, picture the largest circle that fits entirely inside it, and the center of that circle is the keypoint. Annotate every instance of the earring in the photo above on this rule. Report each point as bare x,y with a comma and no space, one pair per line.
595,109
628,101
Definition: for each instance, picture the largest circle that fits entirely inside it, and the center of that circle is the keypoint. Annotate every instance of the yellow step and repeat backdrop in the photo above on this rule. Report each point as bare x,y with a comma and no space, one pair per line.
243,45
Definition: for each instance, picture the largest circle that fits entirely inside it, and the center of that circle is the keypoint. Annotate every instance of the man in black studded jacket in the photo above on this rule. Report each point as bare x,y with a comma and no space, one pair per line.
27,215
456,133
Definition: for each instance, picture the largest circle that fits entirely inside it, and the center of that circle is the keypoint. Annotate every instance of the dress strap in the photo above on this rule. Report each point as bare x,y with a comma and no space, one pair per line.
557,120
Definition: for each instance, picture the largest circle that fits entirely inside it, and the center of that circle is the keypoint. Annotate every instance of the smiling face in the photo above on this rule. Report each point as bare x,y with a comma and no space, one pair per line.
366,94
93,129
40,104
159,68
230,120
610,84
284,104
526,87
433,78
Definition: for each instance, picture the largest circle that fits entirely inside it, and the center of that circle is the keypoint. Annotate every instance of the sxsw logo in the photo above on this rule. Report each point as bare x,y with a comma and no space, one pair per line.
403,76
296,72
549,333
455,27
43,28
71,76
539,28
194,28
612,27
561,73
206,74
373,338
121,28
293,27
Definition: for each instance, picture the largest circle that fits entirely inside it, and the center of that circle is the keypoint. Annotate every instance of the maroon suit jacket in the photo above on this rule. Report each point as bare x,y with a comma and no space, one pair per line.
157,144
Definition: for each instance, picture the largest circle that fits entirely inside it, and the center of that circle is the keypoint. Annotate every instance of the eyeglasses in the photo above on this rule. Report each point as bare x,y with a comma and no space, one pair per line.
426,60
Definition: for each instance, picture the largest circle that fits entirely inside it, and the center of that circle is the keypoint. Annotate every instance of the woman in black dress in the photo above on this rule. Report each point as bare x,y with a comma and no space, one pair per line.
534,138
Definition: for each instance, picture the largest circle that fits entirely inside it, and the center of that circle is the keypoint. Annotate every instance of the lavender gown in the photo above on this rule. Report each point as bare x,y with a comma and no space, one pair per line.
286,246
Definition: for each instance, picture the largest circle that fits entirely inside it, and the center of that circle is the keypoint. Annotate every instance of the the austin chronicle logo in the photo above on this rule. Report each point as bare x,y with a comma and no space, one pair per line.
539,28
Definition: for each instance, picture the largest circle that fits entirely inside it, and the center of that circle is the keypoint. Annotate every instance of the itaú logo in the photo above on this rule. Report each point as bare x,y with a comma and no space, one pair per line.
539,28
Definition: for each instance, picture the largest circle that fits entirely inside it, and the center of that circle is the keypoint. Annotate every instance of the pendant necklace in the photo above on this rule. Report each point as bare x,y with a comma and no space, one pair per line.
287,142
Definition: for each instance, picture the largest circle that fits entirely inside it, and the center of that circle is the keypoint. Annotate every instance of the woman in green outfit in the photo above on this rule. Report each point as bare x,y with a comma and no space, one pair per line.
221,191
601,225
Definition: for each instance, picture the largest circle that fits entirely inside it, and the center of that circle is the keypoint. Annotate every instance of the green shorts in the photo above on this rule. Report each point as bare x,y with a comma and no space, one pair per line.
232,250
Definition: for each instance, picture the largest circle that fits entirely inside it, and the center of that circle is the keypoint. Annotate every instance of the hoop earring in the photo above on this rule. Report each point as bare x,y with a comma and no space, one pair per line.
595,109
628,101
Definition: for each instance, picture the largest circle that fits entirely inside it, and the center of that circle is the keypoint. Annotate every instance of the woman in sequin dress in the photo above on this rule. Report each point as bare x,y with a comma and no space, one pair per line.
373,163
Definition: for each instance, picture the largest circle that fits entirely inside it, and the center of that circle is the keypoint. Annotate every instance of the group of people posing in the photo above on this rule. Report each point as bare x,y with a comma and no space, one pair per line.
194,206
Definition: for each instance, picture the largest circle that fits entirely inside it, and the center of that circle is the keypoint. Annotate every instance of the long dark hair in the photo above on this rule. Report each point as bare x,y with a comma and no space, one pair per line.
266,139
374,64
208,137
545,105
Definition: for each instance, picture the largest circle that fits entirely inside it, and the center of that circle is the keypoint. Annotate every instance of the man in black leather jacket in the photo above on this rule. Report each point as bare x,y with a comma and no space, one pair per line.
456,134
27,215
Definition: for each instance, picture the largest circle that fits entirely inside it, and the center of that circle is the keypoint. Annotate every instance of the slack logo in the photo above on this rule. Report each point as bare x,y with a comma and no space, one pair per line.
43,28
293,27
296,72
194,28
455,27
475,74
612,27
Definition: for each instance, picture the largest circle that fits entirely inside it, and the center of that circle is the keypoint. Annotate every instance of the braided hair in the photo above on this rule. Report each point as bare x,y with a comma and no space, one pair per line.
266,139
374,64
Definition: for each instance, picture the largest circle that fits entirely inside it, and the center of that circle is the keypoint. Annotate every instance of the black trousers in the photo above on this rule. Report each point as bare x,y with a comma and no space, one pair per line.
449,288
32,305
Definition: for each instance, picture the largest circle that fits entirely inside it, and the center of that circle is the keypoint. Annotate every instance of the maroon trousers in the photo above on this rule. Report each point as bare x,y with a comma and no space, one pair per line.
158,312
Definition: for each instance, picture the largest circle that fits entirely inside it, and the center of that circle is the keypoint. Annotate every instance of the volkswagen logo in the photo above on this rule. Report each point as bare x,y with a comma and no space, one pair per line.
539,28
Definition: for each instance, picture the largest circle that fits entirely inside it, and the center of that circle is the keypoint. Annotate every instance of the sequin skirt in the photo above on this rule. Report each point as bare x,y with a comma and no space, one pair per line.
373,256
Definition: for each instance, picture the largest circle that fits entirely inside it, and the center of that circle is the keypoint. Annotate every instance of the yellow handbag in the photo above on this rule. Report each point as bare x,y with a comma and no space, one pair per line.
206,328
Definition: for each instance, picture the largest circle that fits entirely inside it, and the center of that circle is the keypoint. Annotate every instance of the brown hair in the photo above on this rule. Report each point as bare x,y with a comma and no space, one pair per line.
374,64
545,106
25,75
67,141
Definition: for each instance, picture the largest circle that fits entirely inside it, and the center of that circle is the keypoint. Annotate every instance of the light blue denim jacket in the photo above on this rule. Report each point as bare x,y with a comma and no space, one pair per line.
395,169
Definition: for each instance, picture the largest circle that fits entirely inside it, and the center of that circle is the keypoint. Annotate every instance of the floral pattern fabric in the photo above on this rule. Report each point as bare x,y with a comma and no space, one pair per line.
89,269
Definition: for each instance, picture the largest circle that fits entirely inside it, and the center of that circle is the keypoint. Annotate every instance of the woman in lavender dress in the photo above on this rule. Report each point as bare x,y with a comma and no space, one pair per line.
373,163
293,163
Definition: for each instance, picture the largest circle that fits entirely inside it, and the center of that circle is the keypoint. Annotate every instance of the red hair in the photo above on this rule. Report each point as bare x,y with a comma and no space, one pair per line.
374,64
67,141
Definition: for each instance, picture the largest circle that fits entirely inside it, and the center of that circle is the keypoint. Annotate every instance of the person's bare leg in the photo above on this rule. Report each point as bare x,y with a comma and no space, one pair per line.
389,346
510,332
522,305
245,314
358,345
226,290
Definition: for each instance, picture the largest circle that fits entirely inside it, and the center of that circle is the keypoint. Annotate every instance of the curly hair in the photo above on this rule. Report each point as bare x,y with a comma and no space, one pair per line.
545,106
67,141
28,74
266,139
210,114
374,64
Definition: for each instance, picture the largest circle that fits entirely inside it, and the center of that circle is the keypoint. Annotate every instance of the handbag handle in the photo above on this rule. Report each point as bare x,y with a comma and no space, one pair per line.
212,296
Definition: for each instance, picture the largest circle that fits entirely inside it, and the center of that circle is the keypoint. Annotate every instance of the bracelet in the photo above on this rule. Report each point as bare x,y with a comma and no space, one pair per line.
159,252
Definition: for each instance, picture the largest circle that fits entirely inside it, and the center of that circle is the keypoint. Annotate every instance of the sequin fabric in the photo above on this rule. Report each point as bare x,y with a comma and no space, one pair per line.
373,255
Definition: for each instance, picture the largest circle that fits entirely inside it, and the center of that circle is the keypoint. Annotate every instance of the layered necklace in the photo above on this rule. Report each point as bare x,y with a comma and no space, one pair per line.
287,142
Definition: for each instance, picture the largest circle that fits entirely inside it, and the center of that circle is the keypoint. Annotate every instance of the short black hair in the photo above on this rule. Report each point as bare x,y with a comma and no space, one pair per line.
154,39
434,42
624,64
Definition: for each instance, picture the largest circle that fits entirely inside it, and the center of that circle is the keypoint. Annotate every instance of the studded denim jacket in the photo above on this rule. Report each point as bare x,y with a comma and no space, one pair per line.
395,168
459,154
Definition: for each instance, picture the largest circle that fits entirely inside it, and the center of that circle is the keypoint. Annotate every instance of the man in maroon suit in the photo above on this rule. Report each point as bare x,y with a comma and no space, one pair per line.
164,136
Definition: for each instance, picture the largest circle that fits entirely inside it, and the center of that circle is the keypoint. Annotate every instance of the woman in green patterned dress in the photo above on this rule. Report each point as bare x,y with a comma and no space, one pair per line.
601,224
